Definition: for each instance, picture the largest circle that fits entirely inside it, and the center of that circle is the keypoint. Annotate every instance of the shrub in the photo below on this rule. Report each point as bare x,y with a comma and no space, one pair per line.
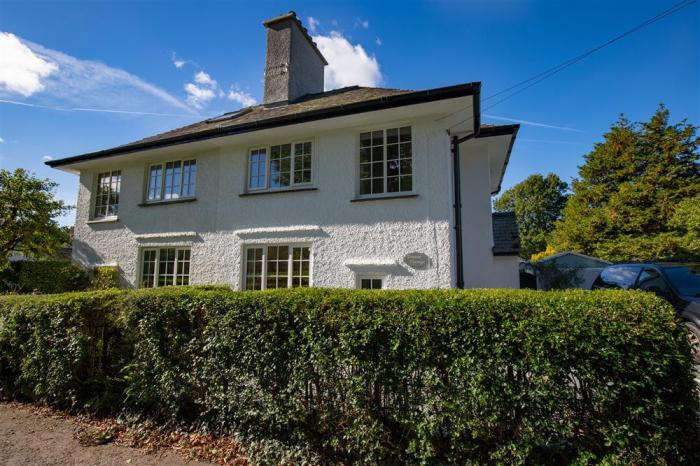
105,277
44,276
430,377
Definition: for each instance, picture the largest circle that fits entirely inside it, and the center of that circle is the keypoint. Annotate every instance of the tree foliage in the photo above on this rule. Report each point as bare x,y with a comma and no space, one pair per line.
537,202
28,212
625,202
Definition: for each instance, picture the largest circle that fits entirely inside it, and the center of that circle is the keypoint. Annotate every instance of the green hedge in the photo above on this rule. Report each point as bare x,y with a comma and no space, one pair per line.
419,377
104,277
43,276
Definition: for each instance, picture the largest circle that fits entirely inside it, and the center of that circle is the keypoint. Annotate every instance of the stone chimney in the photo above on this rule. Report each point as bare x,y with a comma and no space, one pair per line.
293,65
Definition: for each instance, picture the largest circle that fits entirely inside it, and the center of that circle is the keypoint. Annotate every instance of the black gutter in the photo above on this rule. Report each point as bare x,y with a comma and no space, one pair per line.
457,181
383,103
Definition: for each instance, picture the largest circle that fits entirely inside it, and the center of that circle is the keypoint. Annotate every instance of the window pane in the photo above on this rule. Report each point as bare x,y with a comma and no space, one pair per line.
183,267
365,139
166,267
148,268
155,179
277,267
254,263
258,169
300,267
392,184
280,165
392,136
173,172
302,162
405,133
189,177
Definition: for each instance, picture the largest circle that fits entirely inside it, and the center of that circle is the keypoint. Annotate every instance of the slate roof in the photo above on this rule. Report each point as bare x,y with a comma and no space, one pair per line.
323,100
330,104
506,241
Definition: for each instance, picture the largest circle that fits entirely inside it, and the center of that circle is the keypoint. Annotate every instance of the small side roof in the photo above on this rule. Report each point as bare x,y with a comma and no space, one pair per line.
489,131
506,241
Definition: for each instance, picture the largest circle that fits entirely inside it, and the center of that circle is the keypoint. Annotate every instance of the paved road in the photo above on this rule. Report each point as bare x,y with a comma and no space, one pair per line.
31,439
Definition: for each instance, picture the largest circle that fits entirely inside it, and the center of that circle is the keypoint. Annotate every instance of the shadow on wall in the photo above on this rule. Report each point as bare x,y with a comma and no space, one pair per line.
87,257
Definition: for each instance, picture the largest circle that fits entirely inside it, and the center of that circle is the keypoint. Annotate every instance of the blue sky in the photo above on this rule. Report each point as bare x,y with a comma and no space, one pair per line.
122,57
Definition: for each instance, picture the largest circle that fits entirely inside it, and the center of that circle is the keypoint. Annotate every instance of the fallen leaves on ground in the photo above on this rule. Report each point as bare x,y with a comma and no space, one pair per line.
92,431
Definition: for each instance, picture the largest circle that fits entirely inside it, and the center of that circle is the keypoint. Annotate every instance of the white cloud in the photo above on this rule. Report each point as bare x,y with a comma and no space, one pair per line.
21,71
242,97
46,158
177,61
198,95
2,140
60,81
378,41
363,23
348,64
313,24
203,78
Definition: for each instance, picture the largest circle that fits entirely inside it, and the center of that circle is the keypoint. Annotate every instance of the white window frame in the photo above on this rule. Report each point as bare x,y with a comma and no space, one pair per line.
96,184
370,276
268,151
385,176
162,164
264,247
142,253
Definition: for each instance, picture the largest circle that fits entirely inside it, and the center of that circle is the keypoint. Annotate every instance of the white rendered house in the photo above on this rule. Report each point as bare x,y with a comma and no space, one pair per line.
355,187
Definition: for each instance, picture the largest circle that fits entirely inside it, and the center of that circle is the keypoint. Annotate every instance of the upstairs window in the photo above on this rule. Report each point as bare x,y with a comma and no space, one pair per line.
280,166
386,161
107,194
172,180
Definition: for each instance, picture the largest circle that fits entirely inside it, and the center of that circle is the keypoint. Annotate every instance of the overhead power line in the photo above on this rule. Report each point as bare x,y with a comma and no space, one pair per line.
548,73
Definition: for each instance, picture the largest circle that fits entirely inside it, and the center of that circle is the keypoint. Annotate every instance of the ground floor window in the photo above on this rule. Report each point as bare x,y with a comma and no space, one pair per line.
370,283
277,266
165,267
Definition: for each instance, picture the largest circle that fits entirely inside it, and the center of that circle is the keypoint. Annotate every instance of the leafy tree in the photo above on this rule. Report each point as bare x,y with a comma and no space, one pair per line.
28,211
629,189
686,219
537,202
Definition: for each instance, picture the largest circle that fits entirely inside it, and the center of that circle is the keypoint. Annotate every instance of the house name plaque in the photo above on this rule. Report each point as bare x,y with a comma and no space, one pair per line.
417,260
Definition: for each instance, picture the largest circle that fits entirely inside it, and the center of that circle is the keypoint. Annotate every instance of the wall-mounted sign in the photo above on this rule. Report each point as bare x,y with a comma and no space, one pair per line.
417,260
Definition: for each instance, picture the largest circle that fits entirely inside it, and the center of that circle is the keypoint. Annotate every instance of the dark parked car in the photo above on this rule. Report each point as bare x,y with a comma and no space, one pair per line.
679,284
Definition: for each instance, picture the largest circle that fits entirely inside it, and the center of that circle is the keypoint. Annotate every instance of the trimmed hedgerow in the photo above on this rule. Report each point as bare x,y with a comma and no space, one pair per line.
430,377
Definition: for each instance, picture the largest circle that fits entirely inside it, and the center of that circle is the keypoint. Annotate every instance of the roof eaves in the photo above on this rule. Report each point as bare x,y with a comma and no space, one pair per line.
501,130
381,103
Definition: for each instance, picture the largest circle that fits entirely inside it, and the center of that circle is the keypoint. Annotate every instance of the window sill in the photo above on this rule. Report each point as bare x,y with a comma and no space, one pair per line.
384,198
170,201
276,191
103,220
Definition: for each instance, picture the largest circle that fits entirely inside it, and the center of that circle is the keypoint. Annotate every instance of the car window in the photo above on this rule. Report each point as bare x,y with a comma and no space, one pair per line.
618,276
651,280
686,279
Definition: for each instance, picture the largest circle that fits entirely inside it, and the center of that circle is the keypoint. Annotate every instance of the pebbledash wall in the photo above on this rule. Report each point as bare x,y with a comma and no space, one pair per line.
347,239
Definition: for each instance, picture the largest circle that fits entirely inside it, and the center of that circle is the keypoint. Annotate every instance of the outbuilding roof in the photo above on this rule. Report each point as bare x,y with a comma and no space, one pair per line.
506,241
